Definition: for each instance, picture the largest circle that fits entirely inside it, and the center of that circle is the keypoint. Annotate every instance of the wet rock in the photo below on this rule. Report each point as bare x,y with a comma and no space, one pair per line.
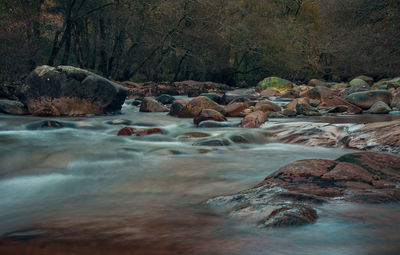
150,131
129,131
208,114
367,79
290,94
236,109
267,106
119,122
379,108
229,96
240,100
379,136
126,131
254,120
216,124
314,102
215,97
333,101
165,99
12,107
357,82
358,88
50,124
290,196
193,135
366,99
136,102
306,109
292,105
67,90
197,104
270,93
317,93
289,113
178,108
275,83
275,115
395,101
150,104
213,142
339,109
317,83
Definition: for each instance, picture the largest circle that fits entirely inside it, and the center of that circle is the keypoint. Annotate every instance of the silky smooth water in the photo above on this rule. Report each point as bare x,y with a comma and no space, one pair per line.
84,190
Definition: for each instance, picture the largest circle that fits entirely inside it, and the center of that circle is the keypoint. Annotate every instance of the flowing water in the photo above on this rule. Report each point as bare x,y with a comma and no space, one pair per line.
84,190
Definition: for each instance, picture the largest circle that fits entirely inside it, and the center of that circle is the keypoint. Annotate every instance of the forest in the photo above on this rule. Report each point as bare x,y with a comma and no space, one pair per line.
226,41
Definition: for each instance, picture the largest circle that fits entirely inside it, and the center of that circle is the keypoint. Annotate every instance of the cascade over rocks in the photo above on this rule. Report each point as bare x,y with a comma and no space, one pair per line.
67,90
291,195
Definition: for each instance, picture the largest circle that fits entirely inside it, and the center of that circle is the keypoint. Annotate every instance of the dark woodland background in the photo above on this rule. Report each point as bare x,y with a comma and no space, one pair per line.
227,41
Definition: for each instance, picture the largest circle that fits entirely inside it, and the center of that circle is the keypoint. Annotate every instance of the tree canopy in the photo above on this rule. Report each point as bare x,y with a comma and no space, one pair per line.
225,41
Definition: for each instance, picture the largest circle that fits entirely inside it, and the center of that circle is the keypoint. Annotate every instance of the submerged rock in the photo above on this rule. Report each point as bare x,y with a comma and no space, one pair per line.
289,196
66,90
165,99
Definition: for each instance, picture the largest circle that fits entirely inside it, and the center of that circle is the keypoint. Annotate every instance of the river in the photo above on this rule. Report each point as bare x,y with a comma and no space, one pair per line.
84,190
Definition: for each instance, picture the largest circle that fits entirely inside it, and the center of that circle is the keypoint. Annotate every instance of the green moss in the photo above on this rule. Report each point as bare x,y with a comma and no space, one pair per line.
275,83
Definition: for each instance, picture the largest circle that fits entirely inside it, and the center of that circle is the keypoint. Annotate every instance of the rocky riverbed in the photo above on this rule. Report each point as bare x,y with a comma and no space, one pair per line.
279,170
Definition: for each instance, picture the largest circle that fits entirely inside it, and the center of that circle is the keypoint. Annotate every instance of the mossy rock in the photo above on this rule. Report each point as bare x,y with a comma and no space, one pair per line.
367,79
357,82
394,83
275,83
317,83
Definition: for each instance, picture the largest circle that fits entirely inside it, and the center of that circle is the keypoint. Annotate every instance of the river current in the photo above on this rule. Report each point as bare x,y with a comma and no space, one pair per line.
84,190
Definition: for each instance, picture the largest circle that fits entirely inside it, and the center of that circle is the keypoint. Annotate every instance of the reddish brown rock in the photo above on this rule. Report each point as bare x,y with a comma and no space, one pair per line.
288,196
208,114
292,105
126,131
150,104
150,131
267,106
382,136
236,109
290,94
270,93
318,93
178,108
333,101
197,104
254,120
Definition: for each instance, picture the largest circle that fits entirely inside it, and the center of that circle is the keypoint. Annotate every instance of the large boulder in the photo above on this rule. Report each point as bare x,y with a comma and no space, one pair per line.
292,195
236,109
274,83
68,90
366,99
367,79
267,106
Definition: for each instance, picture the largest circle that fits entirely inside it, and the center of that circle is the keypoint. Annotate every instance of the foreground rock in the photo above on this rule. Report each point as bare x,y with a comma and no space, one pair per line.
290,196
380,136
67,90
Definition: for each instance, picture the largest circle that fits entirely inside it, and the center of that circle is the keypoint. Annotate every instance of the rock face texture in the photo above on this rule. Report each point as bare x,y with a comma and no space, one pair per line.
366,99
66,90
379,136
289,196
